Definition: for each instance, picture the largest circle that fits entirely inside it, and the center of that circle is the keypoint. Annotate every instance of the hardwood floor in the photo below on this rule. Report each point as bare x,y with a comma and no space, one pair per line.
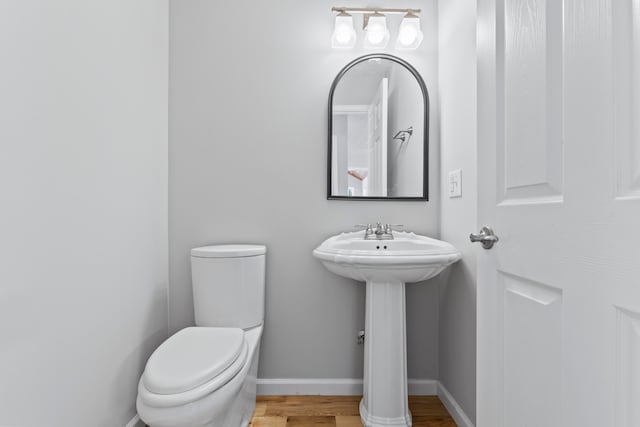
338,411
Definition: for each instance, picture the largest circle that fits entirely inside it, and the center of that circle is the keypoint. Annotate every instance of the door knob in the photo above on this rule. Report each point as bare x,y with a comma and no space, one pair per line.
486,237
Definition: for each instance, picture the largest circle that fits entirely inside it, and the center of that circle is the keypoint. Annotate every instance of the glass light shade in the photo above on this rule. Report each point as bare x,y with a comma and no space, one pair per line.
344,35
376,33
409,35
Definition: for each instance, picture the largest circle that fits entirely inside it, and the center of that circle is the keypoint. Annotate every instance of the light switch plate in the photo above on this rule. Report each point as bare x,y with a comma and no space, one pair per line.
455,183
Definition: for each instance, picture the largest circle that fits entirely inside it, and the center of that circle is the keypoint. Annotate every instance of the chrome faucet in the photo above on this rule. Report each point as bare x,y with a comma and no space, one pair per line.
379,231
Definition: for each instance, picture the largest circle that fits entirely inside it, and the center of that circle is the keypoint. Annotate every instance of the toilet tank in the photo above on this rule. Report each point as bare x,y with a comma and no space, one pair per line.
228,285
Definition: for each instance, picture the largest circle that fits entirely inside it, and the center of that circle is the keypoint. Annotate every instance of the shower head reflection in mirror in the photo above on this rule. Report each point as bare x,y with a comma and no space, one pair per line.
404,135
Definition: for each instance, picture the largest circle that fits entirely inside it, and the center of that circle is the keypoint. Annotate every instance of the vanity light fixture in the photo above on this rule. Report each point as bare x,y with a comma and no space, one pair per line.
344,35
409,35
376,33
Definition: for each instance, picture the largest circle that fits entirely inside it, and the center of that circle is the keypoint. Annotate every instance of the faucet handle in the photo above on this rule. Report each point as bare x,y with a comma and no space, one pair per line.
367,227
388,228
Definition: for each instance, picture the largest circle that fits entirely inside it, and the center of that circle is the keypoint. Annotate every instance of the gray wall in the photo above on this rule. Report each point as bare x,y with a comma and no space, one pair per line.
83,223
249,83
457,84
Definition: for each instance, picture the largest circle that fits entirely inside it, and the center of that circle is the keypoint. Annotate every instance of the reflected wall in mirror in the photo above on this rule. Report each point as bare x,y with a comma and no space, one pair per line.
378,131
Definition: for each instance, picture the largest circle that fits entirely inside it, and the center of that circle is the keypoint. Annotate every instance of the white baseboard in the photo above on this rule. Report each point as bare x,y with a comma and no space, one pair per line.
453,407
135,422
333,386
317,386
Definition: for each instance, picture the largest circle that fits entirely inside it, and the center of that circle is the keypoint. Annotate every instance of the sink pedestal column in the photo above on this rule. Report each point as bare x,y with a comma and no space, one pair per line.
385,394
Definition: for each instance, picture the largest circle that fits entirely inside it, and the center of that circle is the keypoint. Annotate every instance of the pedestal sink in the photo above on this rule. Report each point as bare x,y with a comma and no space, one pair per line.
386,265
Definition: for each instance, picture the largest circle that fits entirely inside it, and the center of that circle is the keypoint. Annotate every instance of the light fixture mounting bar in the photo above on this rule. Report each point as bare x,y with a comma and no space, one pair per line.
374,10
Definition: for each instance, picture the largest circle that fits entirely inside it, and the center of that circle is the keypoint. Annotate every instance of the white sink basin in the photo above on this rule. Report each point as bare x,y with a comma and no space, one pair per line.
407,258
386,265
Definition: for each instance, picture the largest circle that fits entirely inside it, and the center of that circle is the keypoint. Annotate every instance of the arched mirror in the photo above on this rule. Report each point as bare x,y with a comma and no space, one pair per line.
378,131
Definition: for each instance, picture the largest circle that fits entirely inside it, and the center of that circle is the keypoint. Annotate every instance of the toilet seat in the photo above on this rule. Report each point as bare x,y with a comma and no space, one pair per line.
192,363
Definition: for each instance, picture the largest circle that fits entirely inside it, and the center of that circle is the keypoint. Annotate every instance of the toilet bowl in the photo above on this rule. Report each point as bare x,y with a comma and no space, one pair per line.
205,376
226,399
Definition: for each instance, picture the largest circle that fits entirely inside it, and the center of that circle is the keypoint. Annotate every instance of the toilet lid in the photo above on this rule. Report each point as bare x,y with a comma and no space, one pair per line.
192,357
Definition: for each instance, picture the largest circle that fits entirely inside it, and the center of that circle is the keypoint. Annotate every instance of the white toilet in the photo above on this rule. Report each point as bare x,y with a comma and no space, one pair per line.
205,375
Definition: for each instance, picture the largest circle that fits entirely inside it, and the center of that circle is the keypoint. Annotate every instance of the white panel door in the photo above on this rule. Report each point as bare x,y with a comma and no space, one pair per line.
378,118
559,183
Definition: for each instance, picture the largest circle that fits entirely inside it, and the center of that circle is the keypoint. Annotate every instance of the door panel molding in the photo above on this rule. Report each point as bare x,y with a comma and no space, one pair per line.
533,359
529,101
626,68
627,368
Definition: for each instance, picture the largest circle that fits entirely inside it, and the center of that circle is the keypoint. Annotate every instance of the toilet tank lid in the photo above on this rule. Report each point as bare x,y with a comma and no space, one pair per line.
228,251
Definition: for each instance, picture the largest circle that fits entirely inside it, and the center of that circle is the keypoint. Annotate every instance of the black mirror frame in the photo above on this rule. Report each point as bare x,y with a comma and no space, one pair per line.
425,95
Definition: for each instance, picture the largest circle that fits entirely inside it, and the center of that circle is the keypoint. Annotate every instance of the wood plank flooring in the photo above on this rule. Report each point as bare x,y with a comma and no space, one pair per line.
338,411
